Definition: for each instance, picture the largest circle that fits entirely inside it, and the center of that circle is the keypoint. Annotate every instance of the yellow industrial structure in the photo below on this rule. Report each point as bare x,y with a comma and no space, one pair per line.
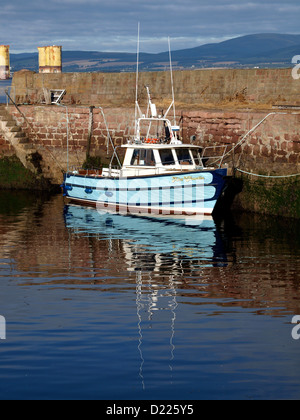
50,59
4,62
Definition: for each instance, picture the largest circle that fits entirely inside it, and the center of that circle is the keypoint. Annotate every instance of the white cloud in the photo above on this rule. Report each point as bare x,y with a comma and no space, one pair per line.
112,25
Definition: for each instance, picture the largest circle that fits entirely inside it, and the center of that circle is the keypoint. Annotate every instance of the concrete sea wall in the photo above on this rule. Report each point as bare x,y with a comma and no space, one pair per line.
256,87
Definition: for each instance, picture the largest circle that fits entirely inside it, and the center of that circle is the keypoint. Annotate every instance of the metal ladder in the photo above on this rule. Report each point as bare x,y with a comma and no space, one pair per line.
56,95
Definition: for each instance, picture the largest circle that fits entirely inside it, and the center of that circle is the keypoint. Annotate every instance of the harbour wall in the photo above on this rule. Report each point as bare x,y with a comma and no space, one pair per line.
61,135
229,87
233,102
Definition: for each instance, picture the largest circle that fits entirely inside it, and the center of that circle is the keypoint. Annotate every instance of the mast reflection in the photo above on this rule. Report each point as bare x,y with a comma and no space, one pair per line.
151,300
158,253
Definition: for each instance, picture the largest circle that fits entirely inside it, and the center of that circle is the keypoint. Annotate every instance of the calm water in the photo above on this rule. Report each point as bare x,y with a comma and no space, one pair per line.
117,307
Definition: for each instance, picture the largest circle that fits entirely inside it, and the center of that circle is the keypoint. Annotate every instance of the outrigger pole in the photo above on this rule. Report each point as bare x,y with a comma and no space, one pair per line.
172,84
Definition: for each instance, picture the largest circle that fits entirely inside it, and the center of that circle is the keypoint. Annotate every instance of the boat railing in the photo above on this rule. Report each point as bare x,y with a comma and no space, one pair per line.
78,170
112,171
158,170
213,156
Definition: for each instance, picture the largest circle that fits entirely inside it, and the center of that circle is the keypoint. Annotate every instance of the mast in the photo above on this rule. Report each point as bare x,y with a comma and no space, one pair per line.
137,82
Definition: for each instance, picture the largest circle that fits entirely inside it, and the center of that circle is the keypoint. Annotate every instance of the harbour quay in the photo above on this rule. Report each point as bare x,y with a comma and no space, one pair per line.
254,112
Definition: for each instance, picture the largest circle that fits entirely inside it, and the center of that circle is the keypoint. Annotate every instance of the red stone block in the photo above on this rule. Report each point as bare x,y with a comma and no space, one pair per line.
296,147
254,141
256,150
56,143
265,151
294,158
47,142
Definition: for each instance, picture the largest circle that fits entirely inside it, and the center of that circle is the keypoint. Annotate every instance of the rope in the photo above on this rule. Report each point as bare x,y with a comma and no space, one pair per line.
267,176
248,134
109,138
243,139
251,131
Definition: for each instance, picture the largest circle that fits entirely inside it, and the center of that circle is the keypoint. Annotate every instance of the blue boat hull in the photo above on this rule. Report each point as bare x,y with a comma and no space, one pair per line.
185,193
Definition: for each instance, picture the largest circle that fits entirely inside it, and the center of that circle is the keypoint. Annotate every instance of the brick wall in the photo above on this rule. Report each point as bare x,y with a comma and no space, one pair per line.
50,125
217,106
52,133
273,148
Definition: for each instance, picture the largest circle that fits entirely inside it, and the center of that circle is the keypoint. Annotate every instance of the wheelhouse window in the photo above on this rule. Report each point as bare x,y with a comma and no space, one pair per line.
166,157
142,157
184,157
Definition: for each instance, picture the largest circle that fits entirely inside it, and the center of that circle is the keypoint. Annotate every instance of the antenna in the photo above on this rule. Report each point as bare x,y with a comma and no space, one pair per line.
171,70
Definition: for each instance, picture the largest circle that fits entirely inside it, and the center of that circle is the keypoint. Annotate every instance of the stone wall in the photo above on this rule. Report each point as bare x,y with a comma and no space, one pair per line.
253,87
6,148
213,107
273,148
57,130
216,106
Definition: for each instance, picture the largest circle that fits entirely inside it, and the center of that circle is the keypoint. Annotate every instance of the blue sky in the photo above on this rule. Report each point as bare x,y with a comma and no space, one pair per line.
102,25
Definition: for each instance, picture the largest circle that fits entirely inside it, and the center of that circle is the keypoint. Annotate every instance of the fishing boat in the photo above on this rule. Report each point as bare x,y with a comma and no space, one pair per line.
159,174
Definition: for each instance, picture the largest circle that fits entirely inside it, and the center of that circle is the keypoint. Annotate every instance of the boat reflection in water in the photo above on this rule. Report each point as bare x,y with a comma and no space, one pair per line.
159,252
178,237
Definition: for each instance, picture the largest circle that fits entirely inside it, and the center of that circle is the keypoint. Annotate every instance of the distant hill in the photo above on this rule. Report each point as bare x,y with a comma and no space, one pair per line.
251,49
262,50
